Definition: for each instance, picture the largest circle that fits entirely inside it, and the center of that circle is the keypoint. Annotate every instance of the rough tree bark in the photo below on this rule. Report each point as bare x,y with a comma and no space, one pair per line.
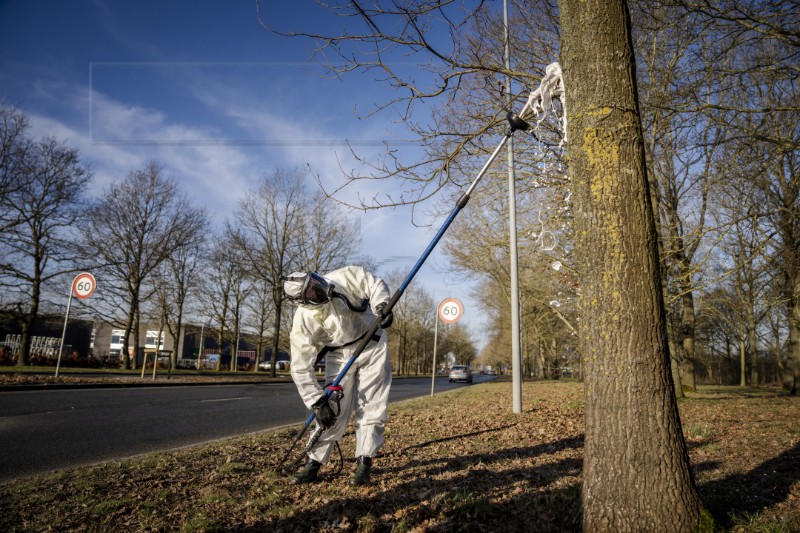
636,467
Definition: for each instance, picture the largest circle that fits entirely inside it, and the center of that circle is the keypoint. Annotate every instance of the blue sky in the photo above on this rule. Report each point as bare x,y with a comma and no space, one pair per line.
201,87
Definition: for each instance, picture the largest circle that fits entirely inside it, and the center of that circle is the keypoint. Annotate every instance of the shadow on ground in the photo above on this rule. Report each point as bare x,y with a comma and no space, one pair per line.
764,486
453,495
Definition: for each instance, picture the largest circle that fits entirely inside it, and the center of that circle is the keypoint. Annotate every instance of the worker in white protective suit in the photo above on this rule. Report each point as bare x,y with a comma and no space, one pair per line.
334,314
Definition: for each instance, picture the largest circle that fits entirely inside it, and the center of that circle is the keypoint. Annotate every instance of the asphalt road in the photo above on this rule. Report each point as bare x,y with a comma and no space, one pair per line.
47,430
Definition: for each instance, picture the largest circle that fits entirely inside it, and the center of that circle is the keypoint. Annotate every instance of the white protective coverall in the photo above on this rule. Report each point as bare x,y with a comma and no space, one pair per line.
366,384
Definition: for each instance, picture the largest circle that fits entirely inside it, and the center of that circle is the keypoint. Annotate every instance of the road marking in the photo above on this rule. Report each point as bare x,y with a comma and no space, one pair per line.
227,399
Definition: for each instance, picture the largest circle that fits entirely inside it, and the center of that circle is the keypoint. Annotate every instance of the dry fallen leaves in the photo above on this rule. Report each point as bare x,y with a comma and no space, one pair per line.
458,461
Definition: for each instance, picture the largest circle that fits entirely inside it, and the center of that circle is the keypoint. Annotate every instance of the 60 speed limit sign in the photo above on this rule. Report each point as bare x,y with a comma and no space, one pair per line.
450,310
83,285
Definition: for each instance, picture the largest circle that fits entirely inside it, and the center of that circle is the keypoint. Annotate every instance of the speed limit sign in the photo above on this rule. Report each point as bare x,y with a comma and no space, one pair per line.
83,285
450,310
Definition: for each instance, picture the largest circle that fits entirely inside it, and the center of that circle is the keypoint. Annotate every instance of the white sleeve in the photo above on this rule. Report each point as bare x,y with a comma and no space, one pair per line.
304,354
379,291
372,287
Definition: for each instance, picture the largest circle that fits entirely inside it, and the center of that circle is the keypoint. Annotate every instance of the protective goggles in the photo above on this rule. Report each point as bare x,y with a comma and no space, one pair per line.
309,288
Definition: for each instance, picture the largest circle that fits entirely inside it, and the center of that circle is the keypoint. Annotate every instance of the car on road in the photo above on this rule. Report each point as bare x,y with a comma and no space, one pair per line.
279,365
460,373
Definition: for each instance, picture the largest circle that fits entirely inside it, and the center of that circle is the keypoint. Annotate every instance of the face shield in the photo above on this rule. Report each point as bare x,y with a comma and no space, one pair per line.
307,288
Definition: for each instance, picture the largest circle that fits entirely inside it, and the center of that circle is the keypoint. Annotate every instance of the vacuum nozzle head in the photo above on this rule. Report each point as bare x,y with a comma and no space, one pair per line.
516,122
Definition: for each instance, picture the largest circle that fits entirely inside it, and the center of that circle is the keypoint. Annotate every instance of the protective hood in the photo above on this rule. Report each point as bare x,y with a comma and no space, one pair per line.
307,288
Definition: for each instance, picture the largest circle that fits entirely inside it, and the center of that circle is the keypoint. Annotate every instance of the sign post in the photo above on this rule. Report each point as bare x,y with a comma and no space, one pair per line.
449,311
82,287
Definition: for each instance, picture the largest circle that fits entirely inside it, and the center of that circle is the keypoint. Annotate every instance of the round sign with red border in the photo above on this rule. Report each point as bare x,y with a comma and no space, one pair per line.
83,286
450,310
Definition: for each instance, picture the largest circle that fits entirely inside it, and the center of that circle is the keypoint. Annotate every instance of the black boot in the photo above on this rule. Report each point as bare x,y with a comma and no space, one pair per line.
307,474
361,477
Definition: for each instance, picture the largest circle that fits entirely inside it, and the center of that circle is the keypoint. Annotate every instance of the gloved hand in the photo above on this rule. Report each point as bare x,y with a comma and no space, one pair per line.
386,323
325,415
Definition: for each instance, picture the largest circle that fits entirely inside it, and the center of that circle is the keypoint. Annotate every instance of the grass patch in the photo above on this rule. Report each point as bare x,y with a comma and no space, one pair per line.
466,506
701,431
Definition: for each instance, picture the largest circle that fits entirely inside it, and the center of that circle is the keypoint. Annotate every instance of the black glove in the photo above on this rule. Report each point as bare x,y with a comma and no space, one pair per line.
325,415
386,323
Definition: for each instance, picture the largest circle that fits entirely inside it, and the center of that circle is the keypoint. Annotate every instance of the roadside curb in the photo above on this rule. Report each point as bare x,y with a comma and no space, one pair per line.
130,385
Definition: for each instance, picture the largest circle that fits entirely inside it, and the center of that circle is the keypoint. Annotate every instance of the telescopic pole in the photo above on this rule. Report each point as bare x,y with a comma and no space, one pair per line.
516,123
462,201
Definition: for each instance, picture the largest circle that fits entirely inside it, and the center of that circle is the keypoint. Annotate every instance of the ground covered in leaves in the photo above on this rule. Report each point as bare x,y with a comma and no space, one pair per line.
458,461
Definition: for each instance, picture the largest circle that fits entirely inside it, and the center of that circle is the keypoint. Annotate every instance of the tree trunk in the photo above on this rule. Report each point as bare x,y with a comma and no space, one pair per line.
775,348
540,370
277,297
126,340
742,363
137,328
688,382
793,374
259,348
23,357
751,342
636,473
675,369
30,317
177,344
220,340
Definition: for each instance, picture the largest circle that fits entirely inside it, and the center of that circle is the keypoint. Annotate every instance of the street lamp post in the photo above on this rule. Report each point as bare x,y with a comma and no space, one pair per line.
516,357
200,348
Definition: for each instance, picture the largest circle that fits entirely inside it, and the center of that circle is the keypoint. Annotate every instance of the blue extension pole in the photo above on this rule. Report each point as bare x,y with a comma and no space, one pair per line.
516,124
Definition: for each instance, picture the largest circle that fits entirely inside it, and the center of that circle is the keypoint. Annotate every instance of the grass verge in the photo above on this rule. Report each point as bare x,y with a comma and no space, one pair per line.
460,460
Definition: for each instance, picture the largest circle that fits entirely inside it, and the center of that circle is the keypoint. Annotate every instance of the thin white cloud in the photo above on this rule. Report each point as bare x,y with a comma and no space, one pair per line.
217,175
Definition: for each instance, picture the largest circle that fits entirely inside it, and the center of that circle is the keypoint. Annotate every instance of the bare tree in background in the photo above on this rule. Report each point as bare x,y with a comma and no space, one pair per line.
136,225
478,246
221,282
242,288
178,281
411,337
260,314
41,205
455,339
462,77
422,328
14,144
331,238
665,44
759,53
268,228
284,226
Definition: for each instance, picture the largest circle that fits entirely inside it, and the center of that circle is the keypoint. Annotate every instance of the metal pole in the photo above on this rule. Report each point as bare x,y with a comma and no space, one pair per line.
64,331
516,357
235,364
435,339
200,348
